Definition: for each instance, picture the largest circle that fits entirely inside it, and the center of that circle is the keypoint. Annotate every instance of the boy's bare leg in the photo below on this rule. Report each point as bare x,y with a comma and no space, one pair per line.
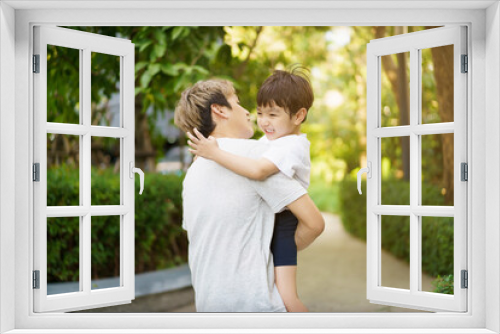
285,277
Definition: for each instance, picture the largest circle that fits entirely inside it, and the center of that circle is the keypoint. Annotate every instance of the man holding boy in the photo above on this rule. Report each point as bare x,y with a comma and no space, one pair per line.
230,218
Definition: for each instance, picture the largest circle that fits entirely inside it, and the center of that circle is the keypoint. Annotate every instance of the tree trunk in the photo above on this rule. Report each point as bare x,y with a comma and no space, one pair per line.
398,78
442,57
404,107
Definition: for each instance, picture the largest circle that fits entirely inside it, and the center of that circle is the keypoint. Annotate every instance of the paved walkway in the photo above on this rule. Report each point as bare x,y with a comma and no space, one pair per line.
331,273
331,277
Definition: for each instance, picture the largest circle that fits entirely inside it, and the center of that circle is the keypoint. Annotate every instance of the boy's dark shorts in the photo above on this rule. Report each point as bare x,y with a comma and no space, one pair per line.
283,244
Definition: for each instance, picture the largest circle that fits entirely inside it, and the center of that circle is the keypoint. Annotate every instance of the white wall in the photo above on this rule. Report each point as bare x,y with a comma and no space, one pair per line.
492,164
7,163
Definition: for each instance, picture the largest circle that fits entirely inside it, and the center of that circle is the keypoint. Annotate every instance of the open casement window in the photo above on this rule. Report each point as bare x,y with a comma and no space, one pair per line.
70,132
431,121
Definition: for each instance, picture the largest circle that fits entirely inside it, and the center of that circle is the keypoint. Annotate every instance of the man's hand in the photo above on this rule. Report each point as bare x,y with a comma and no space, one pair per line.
201,146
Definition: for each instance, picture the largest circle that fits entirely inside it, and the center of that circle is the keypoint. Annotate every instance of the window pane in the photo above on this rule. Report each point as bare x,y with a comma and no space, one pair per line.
437,84
63,176
437,254
63,85
395,89
105,90
105,171
63,255
395,170
105,251
437,169
395,231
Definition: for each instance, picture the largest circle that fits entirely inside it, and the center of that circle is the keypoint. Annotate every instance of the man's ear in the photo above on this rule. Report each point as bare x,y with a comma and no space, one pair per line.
300,116
219,112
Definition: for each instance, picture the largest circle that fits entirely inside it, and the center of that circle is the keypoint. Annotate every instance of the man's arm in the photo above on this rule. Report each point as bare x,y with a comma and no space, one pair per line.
255,169
311,222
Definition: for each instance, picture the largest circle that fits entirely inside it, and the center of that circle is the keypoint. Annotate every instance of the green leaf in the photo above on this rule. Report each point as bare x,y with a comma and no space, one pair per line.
224,54
179,83
143,46
177,31
138,90
180,66
160,50
169,69
140,65
161,37
159,97
200,70
153,69
146,79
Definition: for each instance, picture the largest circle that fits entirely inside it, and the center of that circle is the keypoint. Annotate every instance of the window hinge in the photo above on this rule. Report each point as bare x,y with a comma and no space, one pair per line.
465,279
464,172
36,63
465,64
36,279
36,172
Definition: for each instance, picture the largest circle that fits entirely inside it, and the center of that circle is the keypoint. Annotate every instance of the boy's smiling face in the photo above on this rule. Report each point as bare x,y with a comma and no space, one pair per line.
275,122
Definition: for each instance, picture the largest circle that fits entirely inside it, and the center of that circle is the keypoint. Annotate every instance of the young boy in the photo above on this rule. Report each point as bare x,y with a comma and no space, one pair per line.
283,102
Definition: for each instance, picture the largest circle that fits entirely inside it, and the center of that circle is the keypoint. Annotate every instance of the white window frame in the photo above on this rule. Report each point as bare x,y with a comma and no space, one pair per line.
85,43
17,19
413,43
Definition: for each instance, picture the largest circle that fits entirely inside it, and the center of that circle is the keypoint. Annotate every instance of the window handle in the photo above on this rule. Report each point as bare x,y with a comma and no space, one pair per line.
133,170
368,171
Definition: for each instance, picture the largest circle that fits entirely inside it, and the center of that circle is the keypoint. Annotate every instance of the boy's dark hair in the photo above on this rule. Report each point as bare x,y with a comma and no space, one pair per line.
290,90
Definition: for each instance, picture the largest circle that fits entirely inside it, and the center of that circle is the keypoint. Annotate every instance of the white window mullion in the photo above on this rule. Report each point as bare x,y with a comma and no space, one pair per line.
434,211
85,164
406,130
107,131
66,211
432,129
395,131
80,211
80,130
415,250
123,173
392,210
82,259
420,210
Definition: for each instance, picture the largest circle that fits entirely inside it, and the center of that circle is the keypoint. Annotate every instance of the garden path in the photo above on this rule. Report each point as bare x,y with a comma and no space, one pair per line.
331,273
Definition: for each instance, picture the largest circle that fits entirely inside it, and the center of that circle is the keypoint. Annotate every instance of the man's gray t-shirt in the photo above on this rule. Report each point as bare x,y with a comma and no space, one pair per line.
229,220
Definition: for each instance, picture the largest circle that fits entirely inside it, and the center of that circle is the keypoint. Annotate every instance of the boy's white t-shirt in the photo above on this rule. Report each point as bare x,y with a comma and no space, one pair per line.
291,155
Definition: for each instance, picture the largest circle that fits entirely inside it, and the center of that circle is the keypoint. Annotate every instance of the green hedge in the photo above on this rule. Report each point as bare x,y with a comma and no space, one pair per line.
160,241
437,232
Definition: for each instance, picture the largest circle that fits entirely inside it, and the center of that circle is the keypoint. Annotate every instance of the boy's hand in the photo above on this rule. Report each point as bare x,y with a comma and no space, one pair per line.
201,146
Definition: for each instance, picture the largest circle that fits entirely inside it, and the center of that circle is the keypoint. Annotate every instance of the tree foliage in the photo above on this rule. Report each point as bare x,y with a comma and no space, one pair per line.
169,59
